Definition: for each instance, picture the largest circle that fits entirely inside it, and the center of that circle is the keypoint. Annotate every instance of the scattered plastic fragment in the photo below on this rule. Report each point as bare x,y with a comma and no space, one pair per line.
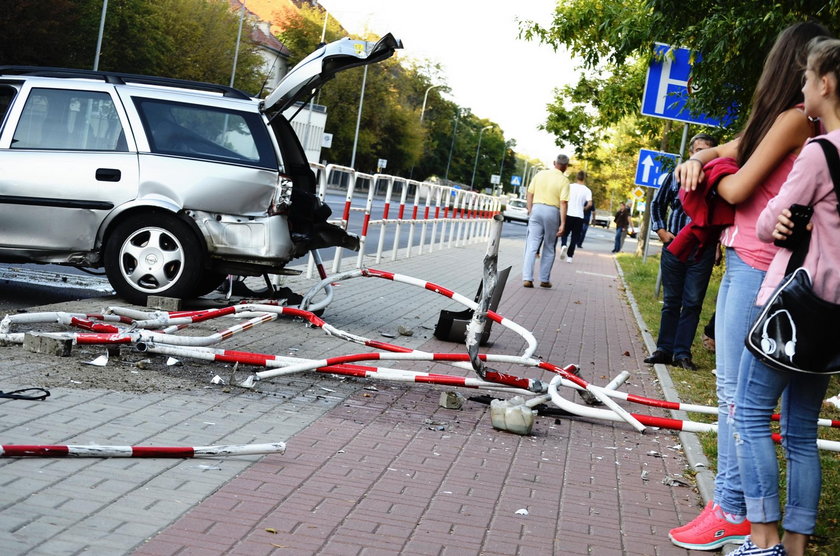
217,380
521,511
100,361
672,480
512,415
172,362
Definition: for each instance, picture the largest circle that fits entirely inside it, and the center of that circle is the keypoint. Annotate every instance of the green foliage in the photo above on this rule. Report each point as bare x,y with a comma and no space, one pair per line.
614,40
390,126
187,39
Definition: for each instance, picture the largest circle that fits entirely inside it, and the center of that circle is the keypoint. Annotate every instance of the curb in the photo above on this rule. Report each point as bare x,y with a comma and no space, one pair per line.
705,479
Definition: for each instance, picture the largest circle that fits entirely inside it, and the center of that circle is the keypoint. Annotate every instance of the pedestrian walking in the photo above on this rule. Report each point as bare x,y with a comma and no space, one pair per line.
775,132
684,284
810,184
580,199
622,223
548,199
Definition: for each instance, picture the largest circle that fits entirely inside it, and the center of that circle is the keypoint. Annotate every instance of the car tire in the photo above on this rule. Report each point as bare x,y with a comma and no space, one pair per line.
154,254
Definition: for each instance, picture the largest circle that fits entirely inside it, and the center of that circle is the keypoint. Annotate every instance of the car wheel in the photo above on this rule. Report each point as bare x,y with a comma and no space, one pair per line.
153,254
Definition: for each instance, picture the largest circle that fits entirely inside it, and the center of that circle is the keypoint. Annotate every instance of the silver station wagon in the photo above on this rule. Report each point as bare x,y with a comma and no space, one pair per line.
169,185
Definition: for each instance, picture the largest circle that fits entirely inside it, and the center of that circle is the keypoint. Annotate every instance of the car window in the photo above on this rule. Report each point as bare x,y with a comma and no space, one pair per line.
69,120
206,132
6,96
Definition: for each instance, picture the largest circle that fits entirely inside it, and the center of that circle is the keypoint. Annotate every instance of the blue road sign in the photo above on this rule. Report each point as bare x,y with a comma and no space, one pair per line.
667,88
516,180
651,170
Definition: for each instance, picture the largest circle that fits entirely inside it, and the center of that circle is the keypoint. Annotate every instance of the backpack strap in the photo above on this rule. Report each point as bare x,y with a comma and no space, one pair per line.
833,160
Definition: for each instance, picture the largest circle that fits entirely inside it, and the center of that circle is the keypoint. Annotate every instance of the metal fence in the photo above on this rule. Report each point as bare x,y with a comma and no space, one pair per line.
434,216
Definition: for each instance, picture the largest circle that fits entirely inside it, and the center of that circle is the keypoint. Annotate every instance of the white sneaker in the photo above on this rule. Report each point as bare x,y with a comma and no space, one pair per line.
568,260
563,252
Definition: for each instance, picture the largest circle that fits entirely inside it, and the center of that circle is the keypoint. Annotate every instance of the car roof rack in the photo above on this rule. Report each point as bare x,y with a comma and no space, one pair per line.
118,78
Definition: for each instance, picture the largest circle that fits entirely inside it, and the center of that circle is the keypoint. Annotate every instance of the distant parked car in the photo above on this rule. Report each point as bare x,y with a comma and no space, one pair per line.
602,218
516,209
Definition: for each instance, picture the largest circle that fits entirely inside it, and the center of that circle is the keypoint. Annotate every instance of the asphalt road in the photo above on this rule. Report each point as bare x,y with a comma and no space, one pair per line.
23,286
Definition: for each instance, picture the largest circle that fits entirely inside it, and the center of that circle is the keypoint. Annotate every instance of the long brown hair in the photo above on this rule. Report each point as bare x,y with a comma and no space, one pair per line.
780,85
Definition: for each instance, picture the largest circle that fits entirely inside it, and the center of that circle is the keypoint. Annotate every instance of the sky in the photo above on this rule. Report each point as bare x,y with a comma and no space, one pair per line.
488,69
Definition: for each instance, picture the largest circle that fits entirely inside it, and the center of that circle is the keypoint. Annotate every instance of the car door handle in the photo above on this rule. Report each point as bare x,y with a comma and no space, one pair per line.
108,174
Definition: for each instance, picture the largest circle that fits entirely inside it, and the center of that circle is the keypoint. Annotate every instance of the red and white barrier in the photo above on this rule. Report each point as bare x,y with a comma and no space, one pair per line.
94,451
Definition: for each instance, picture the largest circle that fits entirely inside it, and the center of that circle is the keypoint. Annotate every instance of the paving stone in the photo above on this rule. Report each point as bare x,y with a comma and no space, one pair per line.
363,473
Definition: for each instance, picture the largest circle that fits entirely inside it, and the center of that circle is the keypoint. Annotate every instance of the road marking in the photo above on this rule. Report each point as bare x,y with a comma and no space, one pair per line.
597,274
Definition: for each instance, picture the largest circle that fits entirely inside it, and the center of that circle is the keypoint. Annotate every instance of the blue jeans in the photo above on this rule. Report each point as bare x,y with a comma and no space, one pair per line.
684,287
619,239
542,225
736,311
802,394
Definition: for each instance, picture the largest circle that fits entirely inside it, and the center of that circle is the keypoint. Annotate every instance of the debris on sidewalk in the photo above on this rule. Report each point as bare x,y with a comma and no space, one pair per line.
512,415
451,400
673,480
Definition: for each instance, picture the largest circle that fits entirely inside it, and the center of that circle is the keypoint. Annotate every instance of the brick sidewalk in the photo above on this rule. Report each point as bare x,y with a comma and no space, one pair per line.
371,467
389,471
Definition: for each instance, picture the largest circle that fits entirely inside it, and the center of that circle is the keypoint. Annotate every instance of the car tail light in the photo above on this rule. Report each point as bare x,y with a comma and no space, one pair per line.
282,197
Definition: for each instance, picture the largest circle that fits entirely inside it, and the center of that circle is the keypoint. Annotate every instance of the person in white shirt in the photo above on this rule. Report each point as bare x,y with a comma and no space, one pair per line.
580,199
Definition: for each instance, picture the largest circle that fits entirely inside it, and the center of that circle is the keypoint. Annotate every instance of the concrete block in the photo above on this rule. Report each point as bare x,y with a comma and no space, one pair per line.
164,303
50,344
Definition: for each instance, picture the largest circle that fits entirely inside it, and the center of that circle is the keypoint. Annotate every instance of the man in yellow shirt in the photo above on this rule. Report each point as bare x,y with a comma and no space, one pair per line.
548,199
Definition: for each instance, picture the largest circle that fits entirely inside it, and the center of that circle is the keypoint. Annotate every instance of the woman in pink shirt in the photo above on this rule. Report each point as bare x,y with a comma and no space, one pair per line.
775,132
760,387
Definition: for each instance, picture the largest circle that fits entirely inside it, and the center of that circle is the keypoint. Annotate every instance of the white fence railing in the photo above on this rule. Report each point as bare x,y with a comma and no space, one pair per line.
444,216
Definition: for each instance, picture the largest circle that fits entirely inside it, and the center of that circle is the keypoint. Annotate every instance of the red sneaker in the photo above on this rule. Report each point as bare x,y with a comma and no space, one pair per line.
711,533
710,505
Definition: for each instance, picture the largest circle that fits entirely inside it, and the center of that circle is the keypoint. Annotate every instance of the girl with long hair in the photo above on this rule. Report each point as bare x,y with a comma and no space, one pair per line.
760,386
774,134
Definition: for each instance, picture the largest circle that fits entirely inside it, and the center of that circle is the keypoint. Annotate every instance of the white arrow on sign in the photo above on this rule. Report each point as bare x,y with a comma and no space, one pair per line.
648,163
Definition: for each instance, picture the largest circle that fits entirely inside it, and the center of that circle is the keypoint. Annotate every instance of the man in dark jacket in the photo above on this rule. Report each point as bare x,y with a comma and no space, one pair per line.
683,283
622,221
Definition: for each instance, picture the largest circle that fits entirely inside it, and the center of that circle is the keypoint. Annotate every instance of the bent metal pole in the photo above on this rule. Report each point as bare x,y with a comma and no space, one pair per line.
95,451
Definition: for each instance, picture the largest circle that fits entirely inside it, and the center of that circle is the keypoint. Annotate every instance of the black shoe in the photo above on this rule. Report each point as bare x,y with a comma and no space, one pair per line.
686,363
659,357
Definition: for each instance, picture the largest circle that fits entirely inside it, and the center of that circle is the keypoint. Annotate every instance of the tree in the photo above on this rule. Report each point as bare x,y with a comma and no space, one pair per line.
390,126
187,39
614,41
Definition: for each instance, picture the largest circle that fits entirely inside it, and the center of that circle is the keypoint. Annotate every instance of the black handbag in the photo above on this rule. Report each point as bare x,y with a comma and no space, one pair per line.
797,330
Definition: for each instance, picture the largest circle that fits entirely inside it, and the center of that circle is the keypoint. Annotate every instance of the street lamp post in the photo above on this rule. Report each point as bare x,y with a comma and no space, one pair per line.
312,98
477,150
238,39
425,98
101,32
461,112
502,164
